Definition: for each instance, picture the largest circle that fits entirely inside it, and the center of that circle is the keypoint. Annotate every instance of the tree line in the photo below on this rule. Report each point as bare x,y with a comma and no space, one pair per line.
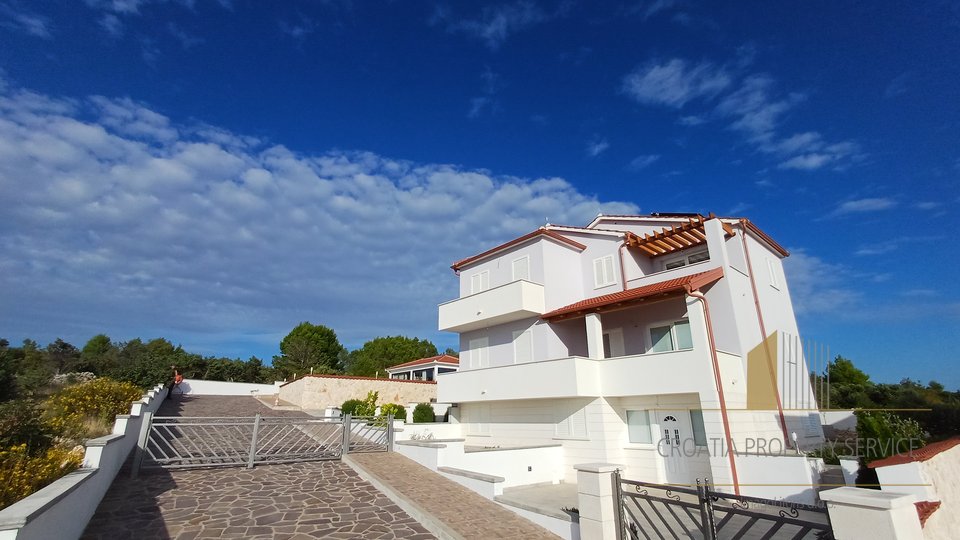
29,369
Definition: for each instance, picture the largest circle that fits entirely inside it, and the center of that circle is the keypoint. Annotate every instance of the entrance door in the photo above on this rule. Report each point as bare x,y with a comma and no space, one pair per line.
674,437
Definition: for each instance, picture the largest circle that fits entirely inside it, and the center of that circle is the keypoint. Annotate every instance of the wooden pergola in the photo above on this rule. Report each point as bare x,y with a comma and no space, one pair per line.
673,239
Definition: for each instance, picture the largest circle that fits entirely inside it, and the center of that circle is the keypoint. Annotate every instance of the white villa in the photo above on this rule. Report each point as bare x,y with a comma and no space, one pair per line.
424,369
655,342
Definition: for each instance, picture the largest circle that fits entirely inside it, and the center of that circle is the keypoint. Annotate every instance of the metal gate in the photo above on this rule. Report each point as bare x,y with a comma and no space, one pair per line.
663,511
173,442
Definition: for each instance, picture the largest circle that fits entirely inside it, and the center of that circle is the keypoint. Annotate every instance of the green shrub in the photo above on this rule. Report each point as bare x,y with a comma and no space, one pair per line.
423,413
21,423
398,411
350,406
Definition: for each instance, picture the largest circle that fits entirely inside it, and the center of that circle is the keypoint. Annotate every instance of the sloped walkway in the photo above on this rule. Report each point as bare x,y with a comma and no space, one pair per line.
448,509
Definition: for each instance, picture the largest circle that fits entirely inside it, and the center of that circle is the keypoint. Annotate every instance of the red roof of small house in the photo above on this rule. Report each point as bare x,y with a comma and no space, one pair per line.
542,231
920,454
383,379
442,359
686,283
925,509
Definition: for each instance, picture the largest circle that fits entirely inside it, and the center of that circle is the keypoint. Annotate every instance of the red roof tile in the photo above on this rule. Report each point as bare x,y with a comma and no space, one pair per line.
920,454
443,359
384,379
539,232
925,509
685,283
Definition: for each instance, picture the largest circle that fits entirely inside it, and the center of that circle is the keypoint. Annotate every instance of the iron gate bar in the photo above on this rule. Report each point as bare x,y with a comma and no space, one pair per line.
639,514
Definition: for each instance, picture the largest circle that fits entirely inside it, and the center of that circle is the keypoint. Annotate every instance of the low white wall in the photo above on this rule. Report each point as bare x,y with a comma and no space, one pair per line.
63,509
429,431
197,387
518,466
779,477
568,530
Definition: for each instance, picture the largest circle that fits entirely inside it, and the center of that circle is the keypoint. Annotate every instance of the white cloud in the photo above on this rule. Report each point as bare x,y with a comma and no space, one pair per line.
129,223
898,86
859,206
495,23
675,82
691,120
31,24
642,162
817,286
597,146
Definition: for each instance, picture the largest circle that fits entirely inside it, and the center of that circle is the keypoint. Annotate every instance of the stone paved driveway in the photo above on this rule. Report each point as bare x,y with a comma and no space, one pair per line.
294,501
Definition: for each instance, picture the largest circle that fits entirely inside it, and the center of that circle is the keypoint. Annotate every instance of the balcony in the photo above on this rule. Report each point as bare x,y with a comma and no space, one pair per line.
506,303
674,372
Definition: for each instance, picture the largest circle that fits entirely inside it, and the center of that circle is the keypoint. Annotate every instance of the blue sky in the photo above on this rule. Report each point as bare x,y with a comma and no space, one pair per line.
215,172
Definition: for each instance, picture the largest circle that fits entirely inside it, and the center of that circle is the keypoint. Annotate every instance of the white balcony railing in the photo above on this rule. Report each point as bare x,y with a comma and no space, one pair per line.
675,372
506,303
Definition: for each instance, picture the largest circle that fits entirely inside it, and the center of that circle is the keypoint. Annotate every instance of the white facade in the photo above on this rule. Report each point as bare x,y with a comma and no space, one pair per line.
635,376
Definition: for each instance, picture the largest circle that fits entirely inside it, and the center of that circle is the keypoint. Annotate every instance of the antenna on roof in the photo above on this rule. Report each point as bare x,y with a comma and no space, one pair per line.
546,221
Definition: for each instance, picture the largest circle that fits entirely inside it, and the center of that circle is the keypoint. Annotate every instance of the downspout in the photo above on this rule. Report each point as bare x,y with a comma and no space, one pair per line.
719,381
623,271
763,335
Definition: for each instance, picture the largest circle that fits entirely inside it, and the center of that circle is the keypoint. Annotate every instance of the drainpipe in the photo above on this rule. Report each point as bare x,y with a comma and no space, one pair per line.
623,272
763,334
716,375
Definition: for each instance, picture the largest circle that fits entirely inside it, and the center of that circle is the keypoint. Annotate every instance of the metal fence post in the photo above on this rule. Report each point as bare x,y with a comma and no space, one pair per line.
617,503
346,433
145,424
253,441
708,528
389,433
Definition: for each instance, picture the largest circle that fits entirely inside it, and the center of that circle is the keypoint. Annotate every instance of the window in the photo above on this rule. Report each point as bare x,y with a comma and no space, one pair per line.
603,273
521,268
638,427
522,347
699,433
479,353
772,269
573,426
480,282
671,337
686,259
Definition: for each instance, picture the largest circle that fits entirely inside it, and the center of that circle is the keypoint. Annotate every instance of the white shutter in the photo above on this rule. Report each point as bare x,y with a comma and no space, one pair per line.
522,347
479,353
476,284
521,268
598,273
578,424
608,272
480,282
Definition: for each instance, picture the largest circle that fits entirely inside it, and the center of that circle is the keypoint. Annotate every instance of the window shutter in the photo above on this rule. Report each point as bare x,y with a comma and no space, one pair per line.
521,268
476,284
598,273
522,347
578,424
609,275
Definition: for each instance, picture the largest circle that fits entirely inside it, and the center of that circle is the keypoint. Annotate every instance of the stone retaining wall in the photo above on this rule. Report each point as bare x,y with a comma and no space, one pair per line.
322,391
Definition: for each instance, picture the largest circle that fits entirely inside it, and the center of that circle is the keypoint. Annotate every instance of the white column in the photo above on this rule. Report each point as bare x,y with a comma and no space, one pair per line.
716,241
594,336
868,513
596,501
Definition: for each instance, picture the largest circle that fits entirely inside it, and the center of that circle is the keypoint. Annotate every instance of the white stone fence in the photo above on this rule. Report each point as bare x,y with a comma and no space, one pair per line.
197,387
63,509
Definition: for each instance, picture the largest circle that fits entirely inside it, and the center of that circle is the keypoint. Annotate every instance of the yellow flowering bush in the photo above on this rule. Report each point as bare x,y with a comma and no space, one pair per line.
71,412
23,474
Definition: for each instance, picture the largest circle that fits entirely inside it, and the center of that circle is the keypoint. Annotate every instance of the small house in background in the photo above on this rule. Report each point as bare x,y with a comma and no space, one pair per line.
424,369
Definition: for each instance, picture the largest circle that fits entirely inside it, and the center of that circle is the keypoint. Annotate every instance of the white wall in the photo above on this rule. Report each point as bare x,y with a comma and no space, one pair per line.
63,509
197,387
789,478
